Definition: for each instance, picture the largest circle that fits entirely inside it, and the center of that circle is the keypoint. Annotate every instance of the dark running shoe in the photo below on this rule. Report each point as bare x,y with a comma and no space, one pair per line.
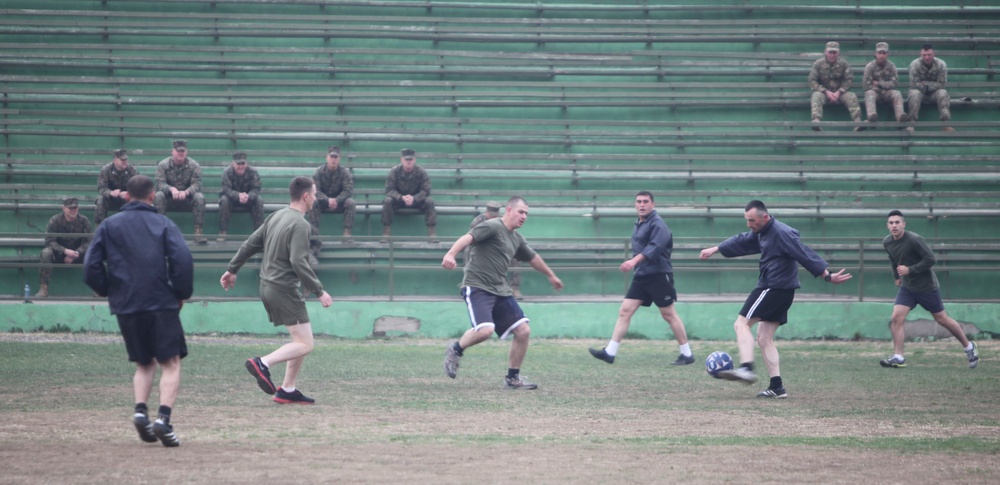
683,360
973,356
294,397
451,360
165,433
602,355
144,426
259,372
778,393
518,383
893,362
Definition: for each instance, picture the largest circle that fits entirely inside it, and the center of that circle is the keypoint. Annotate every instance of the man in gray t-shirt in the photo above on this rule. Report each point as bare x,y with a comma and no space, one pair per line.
488,296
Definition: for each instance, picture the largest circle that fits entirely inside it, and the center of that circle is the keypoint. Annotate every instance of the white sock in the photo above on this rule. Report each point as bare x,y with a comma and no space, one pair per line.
612,348
970,346
898,357
288,390
686,350
262,361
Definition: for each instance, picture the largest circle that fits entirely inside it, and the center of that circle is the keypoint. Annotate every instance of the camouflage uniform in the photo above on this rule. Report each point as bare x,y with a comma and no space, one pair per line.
333,184
886,91
832,77
186,177
416,183
55,246
110,178
928,82
233,185
514,277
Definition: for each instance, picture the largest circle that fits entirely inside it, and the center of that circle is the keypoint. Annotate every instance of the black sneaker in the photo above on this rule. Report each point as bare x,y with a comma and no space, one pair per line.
294,397
778,393
259,372
973,356
602,355
518,383
683,360
165,433
893,362
451,360
144,426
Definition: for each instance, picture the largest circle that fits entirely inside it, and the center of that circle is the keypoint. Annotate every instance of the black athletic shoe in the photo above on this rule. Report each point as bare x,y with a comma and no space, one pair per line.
259,372
683,360
779,393
602,355
294,397
165,433
144,426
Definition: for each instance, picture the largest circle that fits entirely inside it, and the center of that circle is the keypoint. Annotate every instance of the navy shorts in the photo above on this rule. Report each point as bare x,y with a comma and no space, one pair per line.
148,335
928,300
657,288
768,304
486,309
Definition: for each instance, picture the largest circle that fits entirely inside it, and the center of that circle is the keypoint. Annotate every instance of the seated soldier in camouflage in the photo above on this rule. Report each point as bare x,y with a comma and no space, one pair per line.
880,83
408,187
64,249
928,76
830,80
178,187
111,185
240,188
334,188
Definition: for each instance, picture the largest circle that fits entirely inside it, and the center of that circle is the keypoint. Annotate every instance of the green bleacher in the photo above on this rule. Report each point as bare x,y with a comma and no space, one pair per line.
575,105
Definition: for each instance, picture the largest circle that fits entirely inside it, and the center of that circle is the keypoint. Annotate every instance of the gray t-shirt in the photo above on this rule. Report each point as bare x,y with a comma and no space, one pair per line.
493,247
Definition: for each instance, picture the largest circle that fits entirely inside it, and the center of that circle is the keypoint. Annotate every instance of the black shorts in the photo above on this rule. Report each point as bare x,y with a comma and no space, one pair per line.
928,300
768,304
486,309
657,288
148,335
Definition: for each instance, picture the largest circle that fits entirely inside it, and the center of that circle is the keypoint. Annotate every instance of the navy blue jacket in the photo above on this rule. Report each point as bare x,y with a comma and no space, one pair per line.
652,238
781,252
149,266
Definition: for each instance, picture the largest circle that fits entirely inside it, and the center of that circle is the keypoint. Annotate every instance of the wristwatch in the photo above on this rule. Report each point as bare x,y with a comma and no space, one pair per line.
828,277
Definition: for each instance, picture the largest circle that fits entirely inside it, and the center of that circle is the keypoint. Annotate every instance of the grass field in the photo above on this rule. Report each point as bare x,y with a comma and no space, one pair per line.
386,413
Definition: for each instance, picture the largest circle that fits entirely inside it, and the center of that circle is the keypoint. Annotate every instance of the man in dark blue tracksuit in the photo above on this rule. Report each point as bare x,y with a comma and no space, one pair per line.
781,252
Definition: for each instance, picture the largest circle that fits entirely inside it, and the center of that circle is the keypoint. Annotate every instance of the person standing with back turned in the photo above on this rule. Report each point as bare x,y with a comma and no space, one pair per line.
284,238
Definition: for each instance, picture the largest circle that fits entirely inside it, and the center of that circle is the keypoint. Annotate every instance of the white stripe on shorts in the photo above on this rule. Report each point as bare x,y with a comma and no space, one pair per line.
757,302
472,315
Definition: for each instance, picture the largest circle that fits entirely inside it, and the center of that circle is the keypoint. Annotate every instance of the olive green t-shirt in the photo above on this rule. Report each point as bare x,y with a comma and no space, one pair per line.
911,250
284,238
493,248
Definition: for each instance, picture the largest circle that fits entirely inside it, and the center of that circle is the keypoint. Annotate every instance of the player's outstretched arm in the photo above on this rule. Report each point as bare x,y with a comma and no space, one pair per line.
708,253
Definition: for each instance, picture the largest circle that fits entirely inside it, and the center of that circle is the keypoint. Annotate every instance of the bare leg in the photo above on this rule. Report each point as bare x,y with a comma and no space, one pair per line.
899,313
142,381
293,352
669,314
519,347
744,338
945,321
625,313
765,339
473,337
170,380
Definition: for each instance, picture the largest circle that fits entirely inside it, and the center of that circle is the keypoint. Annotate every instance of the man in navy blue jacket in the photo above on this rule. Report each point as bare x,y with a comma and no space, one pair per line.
652,280
139,260
781,252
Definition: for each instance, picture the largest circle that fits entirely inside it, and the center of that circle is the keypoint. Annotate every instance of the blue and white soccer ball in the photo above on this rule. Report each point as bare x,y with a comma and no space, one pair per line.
717,362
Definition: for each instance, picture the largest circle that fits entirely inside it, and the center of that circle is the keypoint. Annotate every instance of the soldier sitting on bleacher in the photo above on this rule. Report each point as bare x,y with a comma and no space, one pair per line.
63,250
830,80
178,187
408,187
111,185
240,188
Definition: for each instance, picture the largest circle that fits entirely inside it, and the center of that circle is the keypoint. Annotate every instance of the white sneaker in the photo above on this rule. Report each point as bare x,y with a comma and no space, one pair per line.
741,374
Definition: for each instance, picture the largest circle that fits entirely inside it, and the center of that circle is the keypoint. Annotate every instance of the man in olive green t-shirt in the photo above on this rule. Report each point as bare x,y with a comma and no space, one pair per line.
284,238
488,296
911,260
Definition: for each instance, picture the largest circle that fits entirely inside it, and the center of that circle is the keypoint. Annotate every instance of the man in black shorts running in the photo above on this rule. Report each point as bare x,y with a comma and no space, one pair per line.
652,281
139,260
284,238
781,252
488,296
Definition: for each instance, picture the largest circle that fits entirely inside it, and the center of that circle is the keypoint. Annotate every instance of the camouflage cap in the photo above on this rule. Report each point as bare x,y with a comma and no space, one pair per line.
71,202
333,149
492,206
882,47
240,156
121,154
833,46
180,144
408,153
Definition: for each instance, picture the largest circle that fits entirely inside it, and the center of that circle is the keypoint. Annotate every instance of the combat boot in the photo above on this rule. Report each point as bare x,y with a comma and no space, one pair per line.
386,230
431,235
347,235
199,237
43,291
222,237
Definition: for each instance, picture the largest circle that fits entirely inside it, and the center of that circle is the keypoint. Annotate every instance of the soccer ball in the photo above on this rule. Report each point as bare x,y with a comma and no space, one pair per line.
717,362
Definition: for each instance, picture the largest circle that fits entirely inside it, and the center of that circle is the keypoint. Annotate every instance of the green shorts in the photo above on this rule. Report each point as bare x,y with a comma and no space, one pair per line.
285,306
